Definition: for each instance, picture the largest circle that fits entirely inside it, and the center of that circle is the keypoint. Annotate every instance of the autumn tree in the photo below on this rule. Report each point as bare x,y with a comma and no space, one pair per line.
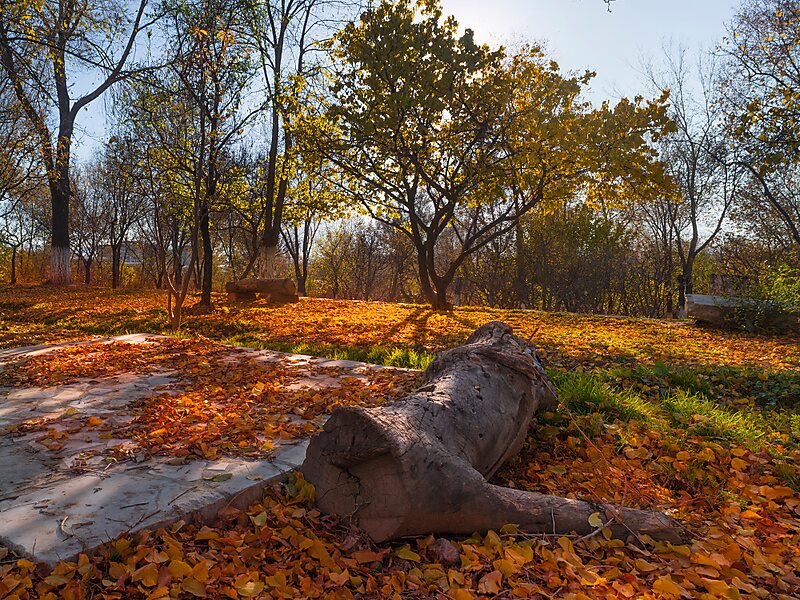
184,121
214,69
42,47
20,175
762,102
438,135
285,35
312,200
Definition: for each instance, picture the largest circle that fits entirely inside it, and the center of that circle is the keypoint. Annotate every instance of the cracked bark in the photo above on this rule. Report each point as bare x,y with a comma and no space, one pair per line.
422,464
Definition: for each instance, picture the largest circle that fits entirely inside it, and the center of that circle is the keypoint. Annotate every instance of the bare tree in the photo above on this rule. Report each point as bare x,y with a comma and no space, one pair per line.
698,157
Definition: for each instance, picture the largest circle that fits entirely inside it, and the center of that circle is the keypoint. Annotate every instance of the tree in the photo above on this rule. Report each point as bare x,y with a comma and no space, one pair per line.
214,70
285,35
423,464
126,203
762,102
700,160
312,199
19,172
90,217
435,133
42,45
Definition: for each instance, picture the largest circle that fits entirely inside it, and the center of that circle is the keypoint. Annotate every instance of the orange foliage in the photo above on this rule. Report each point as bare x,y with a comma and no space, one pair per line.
738,499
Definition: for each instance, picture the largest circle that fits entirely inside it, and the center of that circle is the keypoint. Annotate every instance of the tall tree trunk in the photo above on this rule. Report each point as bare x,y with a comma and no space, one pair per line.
60,271
87,265
116,251
13,265
60,192
520,281
208,257
269,259
440,297
688,275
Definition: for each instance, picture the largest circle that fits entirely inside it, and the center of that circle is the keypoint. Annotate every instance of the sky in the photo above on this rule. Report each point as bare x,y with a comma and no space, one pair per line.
582,34
578,34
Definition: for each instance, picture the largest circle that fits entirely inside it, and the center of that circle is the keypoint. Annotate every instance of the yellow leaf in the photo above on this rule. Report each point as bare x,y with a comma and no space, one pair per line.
260,519
665,585
461,594
340,579
490,583
716,587
643,566
520,554
194,587
738,464
250,589
595,520
506,567
318,550
179,569
492,540
277,580
200,571
94,421
147,575
406,553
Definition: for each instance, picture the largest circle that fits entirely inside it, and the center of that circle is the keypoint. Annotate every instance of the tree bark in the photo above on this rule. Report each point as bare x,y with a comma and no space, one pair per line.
421,465
116,251
269,261
13,265
87,270
208,257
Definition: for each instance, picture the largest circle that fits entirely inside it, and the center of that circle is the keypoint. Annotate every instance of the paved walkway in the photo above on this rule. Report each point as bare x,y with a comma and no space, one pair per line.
56,504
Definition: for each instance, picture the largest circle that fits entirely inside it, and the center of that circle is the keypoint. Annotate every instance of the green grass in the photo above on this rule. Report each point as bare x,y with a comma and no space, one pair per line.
672,407
703,417
408,358
585,393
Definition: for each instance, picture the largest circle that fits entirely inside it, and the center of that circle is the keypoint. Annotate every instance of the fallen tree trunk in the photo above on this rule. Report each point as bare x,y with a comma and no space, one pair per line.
421,465
272,290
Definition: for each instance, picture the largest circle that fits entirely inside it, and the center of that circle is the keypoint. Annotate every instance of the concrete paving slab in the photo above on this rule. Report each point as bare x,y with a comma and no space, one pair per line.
55,504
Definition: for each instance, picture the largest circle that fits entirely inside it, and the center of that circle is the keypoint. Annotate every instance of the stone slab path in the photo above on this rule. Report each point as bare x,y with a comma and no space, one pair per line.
55,505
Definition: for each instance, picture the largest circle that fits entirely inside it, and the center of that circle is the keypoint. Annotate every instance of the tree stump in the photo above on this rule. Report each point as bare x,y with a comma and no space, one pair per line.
279,291
420,465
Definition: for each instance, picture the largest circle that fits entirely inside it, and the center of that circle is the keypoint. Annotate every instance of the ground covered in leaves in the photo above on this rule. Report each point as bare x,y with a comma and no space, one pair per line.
660,415
220,401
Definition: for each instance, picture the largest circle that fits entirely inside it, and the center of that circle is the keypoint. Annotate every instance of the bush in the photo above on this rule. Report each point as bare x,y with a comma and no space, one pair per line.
774,303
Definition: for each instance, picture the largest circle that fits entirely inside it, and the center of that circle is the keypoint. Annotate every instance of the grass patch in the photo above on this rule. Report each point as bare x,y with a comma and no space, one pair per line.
408,358
584,393
702,417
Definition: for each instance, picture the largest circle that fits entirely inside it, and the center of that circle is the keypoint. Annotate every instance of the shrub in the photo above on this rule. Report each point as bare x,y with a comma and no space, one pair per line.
774,303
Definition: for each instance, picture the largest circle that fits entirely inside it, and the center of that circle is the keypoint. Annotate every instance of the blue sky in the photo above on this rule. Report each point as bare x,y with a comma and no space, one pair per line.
579,34
582,34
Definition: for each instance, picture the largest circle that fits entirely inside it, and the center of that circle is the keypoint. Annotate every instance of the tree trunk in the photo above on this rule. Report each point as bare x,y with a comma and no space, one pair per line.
421,465
208,258
13,265
60,192
520,280
87,265
60,271
116,250
269,261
